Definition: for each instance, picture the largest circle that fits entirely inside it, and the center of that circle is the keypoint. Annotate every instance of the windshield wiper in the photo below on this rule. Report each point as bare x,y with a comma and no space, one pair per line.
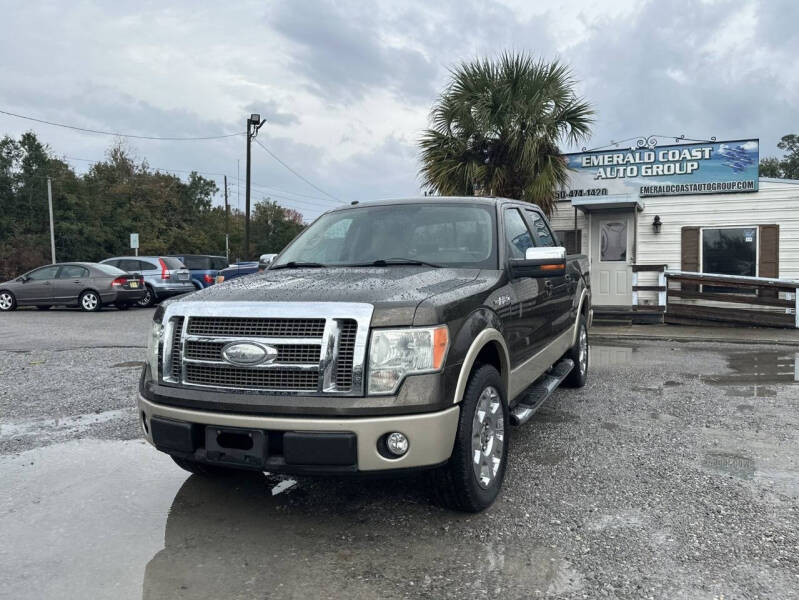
293,264
388,262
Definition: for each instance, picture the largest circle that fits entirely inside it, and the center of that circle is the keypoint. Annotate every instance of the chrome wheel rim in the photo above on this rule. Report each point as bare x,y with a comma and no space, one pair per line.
488,437
5,301
89,301
583,350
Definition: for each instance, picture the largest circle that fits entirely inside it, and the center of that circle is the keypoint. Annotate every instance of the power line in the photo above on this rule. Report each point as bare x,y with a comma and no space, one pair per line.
125,135
317,188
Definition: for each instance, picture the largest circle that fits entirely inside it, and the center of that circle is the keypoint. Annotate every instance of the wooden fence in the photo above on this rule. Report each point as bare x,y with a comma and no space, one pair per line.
703,298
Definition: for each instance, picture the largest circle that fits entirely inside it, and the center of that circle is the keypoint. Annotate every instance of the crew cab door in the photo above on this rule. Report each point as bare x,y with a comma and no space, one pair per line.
527,329
558,302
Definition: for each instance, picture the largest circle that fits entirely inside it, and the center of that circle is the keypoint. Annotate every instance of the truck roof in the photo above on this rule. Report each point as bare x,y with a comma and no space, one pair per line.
487,200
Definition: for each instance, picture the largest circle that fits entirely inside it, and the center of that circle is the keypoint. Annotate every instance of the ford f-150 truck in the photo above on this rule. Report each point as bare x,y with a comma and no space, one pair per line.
387,337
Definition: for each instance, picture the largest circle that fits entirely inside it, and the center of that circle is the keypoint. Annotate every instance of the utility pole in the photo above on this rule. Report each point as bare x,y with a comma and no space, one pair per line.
50,206
254,123
227,225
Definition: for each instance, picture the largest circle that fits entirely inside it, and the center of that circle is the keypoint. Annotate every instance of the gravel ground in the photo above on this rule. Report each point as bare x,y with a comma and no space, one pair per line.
673,474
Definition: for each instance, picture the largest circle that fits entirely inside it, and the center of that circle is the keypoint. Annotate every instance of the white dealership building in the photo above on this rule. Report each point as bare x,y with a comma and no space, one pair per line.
693,206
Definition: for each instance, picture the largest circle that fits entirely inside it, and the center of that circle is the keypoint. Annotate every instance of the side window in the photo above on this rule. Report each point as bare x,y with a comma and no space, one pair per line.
129,265
517,236
219,263
44,273
72,272
543,236
143,265
113,262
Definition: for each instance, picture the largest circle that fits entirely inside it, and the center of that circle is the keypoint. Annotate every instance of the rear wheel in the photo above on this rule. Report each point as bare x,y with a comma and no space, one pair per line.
199,468
579,354
7,301
148,299
90,301
472,478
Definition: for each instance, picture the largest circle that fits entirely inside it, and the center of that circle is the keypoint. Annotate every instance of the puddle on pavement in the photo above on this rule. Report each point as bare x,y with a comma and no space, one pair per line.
98,519
751,373
73,425
731,464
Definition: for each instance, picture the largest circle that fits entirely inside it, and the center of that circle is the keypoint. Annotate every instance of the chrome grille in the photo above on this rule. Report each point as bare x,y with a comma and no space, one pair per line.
298,354
346,353
321,346
259,379
177,332
245,327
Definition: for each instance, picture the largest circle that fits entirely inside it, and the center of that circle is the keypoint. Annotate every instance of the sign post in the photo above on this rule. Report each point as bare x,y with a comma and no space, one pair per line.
134,242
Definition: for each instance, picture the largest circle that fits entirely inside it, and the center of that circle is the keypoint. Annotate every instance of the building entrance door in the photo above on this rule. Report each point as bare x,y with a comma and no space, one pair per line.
611,252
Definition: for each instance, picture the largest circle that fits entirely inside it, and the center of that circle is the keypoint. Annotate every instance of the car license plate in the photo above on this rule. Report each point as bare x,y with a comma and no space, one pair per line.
133,284
183,276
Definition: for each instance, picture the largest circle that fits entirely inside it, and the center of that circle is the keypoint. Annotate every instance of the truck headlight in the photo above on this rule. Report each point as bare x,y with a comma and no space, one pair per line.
395,353
154,347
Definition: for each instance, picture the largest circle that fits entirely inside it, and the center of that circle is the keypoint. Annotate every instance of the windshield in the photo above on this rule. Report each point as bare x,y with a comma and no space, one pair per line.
446,234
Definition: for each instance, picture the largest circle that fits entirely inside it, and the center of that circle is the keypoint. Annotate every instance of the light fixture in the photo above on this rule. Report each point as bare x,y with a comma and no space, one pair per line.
255,118
656,224
397,443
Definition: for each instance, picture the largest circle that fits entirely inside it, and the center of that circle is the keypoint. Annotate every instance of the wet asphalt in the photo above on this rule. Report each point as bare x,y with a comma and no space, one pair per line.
673,474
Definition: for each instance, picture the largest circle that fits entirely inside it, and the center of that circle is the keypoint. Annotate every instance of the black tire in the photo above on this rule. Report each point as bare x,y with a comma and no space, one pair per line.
203,469
579,374
90,301
44,307
148,300
122,305
455,485
8,301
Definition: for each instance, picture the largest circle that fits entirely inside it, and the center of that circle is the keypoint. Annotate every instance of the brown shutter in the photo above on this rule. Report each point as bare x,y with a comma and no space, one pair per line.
689,254
769,263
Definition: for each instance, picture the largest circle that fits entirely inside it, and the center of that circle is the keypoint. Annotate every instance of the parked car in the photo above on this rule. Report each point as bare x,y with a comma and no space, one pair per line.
87,285
203,267
164,276
237,270
392,336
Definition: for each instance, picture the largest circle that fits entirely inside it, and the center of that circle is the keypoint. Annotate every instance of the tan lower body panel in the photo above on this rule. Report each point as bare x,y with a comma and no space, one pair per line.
431,435
526,373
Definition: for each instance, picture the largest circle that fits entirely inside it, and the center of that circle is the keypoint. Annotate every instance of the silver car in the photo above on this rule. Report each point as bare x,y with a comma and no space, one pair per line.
164,276
87,285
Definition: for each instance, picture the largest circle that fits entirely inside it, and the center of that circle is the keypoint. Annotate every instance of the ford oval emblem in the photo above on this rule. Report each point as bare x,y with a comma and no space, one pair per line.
248,354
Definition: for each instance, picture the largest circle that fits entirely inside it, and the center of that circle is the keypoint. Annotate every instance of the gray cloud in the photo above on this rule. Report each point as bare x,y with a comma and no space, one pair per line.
347,86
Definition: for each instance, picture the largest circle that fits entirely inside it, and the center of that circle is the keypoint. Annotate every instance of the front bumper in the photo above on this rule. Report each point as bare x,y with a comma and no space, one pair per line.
431,436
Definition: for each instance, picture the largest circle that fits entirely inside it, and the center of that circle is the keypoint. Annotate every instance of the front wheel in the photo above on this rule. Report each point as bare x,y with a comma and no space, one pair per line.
7,301
90,301
579,354
472,478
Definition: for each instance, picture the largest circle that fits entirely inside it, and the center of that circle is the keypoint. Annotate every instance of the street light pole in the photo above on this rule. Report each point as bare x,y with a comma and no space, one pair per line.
50,207
254,123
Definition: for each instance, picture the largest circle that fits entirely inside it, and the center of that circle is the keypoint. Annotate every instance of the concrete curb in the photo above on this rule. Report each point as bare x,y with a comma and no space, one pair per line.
612,337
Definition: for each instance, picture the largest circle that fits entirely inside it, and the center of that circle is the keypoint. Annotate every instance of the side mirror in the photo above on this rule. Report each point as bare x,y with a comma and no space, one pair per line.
266,259
540,262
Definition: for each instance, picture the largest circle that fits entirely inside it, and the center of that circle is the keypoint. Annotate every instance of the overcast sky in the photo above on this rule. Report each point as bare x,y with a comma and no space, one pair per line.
347,87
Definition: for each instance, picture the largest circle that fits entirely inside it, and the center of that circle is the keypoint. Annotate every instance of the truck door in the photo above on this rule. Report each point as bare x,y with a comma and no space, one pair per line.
559,288
527,330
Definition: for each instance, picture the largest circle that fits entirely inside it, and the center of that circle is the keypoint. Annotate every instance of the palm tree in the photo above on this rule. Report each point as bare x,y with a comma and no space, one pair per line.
496,127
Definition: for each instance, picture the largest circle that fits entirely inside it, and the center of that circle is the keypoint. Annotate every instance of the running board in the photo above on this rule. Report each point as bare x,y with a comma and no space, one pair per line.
540,390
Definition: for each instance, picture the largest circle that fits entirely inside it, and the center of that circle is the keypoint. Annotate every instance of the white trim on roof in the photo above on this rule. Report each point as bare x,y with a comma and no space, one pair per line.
778,180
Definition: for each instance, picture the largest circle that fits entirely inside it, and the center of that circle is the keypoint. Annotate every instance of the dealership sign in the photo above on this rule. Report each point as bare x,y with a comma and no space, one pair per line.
647,169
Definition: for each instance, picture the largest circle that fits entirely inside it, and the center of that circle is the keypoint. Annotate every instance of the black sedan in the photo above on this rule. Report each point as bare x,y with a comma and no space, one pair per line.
86,285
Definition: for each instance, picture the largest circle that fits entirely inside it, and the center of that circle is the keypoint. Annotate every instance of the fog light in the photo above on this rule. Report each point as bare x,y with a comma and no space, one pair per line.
397,443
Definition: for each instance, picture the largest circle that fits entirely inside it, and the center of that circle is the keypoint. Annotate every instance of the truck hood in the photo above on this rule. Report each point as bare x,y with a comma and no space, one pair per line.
394,291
